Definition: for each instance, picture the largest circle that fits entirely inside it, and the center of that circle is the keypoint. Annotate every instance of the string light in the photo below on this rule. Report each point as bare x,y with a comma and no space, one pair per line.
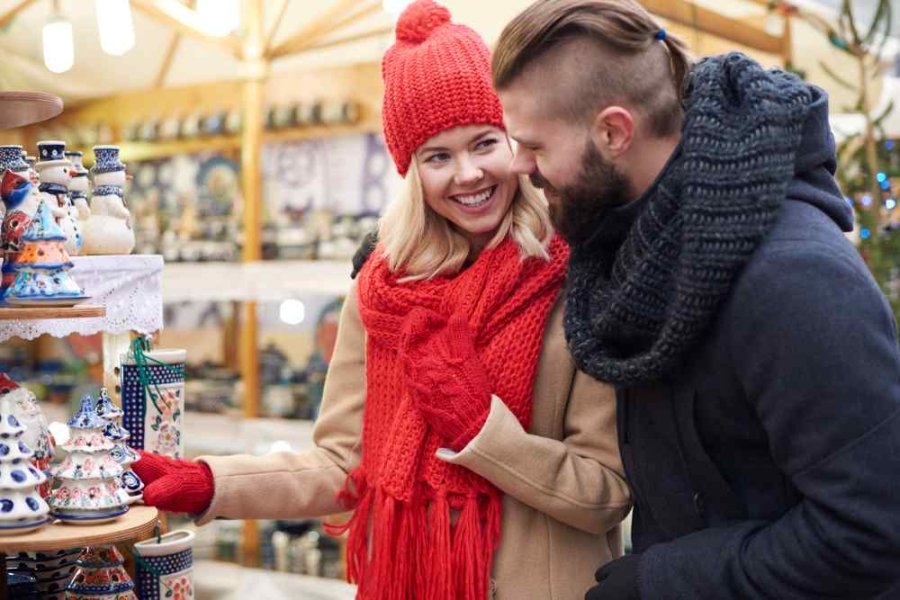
864,233
866,200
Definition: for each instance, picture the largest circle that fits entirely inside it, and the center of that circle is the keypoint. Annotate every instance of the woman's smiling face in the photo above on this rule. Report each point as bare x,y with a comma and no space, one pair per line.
466,179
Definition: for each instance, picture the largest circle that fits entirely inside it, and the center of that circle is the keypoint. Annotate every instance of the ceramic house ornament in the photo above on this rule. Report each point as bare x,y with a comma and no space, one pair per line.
131,487
42,266
21,507
108,229
86,483
100,575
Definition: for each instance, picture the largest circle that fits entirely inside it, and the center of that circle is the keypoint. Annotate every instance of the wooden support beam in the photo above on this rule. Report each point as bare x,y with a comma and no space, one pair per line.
356,37
185,21
270,37
9,15
167,61
685,12
314,31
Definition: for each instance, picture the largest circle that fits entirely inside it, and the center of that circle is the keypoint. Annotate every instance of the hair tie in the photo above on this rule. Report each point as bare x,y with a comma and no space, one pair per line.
660,35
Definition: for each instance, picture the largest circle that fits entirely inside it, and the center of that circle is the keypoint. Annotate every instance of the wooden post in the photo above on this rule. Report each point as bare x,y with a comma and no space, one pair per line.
255,66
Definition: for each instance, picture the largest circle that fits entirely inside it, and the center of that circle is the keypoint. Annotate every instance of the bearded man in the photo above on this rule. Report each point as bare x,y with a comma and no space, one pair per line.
755,359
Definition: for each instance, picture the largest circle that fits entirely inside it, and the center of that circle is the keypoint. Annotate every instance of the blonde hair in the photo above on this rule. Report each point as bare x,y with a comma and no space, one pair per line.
422,244
622,39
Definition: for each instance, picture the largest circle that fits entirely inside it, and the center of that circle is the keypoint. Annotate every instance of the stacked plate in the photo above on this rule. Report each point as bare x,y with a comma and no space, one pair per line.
52,570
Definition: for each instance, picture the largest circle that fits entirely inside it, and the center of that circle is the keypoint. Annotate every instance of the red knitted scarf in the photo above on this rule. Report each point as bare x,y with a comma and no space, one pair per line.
401,544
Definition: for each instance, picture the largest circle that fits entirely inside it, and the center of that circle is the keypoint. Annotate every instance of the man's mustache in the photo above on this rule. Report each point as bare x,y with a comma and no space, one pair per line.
538,181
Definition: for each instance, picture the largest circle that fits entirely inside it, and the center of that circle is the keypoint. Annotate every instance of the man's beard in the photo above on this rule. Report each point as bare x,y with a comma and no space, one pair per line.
583,204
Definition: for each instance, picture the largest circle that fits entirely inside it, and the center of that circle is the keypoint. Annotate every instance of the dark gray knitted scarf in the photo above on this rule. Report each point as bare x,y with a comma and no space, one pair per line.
644,290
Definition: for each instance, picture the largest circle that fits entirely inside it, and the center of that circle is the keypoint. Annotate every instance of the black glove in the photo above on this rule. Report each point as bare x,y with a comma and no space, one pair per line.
362,253
617,580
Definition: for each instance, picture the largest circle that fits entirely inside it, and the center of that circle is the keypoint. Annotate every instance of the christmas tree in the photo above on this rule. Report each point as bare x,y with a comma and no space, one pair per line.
131,486
43,266
21,506
100,575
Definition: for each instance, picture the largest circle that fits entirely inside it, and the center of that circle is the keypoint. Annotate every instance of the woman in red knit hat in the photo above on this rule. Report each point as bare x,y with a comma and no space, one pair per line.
477,461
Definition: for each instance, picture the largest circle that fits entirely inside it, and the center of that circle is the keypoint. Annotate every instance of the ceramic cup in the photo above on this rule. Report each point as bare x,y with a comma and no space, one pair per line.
165,567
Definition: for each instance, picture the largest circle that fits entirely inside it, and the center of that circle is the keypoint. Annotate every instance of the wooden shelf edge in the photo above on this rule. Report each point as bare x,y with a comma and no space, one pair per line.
84,311
138,522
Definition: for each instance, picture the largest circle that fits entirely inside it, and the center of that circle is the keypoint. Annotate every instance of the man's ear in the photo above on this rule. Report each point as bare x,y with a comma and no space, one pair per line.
612,131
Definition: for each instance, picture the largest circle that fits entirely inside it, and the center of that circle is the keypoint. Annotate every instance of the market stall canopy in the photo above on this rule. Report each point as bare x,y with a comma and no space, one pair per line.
305,35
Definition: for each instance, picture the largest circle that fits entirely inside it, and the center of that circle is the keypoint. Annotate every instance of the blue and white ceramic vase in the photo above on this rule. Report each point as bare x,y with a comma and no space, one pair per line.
21,507
130,485
165,566
86,483
154,415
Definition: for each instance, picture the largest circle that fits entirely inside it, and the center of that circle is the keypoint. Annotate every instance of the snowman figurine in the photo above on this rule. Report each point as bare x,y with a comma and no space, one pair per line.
108,230
79,188
55,172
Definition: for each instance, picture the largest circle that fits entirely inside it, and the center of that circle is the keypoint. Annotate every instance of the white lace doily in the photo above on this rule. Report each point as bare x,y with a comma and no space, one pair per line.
130,287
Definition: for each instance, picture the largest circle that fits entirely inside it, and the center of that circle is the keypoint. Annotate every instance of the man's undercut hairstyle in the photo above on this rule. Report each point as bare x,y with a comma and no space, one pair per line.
591,54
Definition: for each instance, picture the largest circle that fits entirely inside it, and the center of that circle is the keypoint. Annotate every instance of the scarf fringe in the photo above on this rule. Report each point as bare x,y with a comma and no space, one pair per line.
400,550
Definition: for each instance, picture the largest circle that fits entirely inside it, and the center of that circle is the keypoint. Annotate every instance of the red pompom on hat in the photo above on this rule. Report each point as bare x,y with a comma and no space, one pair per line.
437,76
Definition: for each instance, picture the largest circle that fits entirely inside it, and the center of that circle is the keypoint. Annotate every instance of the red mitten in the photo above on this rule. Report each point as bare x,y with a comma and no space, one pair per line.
174,485
447,380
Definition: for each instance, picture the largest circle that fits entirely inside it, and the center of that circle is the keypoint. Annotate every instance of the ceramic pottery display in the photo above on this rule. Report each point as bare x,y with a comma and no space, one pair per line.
100,575
52,570
22,586
79,190
165,567
130,485
20,204
21,507
37,435
55,172
42,266
86,483
155,415
108,229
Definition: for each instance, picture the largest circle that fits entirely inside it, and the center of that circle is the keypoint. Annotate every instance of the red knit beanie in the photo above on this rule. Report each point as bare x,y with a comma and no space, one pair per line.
437,75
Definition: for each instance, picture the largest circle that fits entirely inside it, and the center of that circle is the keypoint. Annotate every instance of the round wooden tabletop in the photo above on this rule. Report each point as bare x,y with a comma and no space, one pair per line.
138,522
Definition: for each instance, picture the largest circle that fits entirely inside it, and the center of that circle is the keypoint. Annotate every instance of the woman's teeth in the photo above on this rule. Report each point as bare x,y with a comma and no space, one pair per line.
475,199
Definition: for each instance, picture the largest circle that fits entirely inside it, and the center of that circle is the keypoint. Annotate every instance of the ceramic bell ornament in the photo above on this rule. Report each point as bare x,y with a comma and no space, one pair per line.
42,266
108,229
55,172
131,487
21,507
86,483
100,575
79,189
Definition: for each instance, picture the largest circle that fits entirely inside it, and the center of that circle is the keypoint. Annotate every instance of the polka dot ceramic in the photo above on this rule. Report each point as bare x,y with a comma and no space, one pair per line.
165,567
155,427
22,508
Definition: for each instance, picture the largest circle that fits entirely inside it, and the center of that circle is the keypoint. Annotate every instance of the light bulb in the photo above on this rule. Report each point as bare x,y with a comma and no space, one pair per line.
59,45
292,311
219,17
116,25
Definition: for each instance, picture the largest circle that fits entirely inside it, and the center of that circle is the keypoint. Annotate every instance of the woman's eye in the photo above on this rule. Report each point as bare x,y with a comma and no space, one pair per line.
487,143
439,157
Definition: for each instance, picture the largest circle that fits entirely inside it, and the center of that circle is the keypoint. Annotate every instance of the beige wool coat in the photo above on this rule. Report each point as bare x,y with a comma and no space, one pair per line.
565,494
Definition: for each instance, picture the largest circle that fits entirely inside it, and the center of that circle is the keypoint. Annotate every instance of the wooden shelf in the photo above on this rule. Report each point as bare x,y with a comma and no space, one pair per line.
138,151
11,313
138,522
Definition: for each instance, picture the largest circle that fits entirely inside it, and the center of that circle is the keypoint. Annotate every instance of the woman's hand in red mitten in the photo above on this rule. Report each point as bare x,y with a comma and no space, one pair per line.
174,485
447,380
